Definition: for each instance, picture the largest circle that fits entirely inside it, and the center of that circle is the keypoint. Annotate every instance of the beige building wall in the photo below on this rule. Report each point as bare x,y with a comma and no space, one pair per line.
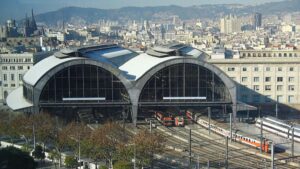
13,67
265,80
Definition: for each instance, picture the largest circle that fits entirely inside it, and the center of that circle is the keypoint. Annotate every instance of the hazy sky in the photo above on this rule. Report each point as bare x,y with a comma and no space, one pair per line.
17,8
121,3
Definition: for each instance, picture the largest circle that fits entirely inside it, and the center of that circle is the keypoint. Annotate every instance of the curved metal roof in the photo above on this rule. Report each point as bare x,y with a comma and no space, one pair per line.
16,101
127,65
41,68
141,64
131,64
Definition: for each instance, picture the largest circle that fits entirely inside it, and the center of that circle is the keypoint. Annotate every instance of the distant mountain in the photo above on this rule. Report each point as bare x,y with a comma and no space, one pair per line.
92,15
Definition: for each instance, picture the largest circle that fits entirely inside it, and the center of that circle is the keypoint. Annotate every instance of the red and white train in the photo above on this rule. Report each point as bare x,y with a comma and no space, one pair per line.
169,120
251,141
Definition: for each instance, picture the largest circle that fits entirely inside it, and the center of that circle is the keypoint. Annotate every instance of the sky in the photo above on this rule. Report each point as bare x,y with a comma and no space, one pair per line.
18,8
121,3
108,4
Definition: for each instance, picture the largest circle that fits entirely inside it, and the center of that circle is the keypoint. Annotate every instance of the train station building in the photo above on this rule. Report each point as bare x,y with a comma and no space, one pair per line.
110,78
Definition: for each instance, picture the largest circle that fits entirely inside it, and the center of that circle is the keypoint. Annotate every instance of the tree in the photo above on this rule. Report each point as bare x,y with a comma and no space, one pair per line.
6,127
45,127
76,132
123,165
147,144
103,142
38,153
12,158
71,162
21,126
54,156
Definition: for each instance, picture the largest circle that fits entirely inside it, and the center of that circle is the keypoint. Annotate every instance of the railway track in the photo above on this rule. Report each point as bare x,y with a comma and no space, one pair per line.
212,150
280,155
237,159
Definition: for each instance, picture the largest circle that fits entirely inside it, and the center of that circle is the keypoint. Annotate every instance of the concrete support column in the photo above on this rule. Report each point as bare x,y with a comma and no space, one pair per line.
134,112
134,96
234,112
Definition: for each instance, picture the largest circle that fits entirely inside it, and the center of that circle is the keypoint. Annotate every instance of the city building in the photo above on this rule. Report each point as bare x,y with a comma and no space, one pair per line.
9,30
13,67
257,21
115,80
265,77
230,24
30,25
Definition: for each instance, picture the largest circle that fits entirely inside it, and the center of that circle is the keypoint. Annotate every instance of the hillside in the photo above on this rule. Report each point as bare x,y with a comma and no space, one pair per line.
92,15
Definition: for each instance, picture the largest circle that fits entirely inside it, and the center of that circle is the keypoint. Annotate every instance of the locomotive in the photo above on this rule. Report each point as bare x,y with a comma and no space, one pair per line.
169,120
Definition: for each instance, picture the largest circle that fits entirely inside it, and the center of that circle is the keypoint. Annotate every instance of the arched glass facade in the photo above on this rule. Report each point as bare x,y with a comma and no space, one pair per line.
28,92
185,82
84,83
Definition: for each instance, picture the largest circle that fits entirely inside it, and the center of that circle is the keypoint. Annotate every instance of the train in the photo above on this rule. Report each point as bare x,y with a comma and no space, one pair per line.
169,120
250,141
279,127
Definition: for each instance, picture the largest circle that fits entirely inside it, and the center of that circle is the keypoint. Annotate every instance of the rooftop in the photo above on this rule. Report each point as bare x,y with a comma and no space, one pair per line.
133,65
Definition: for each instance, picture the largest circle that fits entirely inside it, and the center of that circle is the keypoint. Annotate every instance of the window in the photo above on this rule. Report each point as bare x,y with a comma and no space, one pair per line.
12,77
256,69
5,85
268,88
244,88
291,79
230,69
256,79
279,79
20,67
12,67
291,69
268,69
279,98
291,99
244,79
4,67
244,69
291,87
256,87
279,69
267,79
279,87
268,98
256,98
13,85
244,98
28,67
4,77
20,76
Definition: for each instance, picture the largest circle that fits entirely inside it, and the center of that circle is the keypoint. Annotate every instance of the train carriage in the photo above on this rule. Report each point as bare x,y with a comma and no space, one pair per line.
253,142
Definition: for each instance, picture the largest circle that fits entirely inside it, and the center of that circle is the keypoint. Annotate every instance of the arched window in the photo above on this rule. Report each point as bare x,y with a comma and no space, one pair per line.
184,82
84,83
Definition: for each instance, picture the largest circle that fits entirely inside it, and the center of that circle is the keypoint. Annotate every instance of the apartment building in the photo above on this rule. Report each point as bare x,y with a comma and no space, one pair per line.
265,77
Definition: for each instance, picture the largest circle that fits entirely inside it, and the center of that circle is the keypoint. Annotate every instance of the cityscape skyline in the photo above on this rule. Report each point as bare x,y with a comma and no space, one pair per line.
150,84
45,6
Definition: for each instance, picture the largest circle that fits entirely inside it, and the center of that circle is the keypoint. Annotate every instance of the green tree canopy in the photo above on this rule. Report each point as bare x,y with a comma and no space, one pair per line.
123,165
38,152
71,162
13,158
